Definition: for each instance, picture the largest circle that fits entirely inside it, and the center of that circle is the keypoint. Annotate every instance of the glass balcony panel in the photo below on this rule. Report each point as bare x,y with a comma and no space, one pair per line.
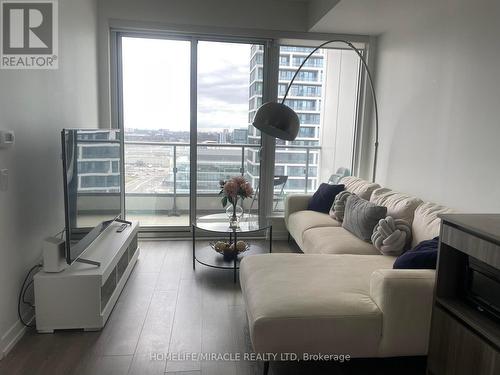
157,194
157,178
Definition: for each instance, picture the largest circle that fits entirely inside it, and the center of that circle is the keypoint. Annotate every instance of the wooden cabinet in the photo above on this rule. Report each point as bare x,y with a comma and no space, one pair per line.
464,340
456,350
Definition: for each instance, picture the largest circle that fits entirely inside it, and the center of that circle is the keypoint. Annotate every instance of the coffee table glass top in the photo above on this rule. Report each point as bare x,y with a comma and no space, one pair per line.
220,223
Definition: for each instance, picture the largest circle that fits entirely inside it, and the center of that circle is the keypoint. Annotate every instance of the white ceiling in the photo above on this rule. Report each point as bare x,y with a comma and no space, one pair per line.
373,17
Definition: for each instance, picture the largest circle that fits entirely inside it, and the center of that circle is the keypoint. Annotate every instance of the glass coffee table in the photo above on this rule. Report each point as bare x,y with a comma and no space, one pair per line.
219,224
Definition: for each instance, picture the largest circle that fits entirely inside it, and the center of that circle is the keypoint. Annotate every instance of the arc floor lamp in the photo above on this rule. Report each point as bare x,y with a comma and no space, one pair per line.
280,121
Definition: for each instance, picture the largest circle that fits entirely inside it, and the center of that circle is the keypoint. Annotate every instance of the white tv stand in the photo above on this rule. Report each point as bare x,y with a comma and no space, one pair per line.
83,295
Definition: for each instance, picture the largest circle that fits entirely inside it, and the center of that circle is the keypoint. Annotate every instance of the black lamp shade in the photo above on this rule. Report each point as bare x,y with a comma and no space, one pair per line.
277,120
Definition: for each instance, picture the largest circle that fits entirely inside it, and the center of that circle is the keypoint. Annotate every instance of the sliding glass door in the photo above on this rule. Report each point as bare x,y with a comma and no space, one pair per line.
156,75
184,106
226,91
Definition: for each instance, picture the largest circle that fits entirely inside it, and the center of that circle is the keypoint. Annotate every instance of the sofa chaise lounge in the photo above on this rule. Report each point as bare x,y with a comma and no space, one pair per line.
341,296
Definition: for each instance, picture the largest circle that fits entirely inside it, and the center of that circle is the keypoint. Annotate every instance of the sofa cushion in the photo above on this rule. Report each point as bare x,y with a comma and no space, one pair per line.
300,221
295,203
362,216
312,303
335,240
359,186
426,223
323,198
399,206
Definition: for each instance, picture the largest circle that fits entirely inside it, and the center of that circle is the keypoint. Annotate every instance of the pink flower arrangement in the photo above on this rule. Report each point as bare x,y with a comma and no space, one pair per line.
234,188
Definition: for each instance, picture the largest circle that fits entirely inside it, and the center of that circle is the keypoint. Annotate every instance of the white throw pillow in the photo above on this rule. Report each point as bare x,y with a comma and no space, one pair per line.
338,207
391,236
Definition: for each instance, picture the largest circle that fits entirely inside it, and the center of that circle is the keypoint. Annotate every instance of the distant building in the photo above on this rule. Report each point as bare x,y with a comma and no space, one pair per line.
240,136
224,136
305,99
155,163
213,164
98,157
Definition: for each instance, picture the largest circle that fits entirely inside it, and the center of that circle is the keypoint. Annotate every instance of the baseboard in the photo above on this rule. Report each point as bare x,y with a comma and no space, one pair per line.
13,335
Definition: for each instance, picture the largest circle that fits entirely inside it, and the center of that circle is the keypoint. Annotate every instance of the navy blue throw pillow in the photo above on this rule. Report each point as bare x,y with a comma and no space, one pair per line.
422,256
323,198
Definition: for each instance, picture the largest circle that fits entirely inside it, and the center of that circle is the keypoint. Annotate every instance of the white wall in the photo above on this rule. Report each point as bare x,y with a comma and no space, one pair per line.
37,105
256,14
438,84
317,9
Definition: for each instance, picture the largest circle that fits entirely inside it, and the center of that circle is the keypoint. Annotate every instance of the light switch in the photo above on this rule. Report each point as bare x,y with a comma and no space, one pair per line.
7,138
4,179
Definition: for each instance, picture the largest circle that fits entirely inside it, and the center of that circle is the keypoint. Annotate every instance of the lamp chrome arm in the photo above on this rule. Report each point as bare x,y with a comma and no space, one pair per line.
372,87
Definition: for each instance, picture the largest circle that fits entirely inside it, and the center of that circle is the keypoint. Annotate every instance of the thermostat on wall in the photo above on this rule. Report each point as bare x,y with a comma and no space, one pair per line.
6,138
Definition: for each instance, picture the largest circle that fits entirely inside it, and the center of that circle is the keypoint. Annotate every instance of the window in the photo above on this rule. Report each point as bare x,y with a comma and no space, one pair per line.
255,88
309,118
326,136
290,157
96,152
256,74
94,167
312,76
284,60
257,58
306,132
158,176
302,105
305,50
313,61
254,103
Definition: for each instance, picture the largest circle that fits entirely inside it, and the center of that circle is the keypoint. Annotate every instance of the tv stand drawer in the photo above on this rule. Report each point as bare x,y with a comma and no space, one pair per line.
474,246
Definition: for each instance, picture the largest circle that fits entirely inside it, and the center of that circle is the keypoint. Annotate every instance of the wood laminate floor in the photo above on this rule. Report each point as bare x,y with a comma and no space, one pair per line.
167,308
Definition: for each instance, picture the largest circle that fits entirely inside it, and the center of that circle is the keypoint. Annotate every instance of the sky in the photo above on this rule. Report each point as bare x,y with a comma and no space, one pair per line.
156,84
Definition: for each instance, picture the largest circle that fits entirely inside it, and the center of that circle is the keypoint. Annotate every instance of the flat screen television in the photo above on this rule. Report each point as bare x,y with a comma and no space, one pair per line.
92,164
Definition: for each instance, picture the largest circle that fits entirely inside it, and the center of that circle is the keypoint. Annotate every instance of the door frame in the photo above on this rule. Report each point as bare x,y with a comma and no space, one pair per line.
116,103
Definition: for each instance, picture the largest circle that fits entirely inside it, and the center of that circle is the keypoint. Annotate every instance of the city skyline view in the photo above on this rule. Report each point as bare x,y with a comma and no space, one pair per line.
156,93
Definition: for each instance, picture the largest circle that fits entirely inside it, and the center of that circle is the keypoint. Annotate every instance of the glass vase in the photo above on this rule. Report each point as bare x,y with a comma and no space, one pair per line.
234,213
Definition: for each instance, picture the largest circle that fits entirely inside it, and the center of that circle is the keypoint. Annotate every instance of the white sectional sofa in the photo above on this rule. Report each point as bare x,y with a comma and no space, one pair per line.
341,296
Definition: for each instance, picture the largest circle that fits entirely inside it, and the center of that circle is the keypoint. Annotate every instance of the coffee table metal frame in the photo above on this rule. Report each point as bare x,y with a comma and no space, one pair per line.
218,225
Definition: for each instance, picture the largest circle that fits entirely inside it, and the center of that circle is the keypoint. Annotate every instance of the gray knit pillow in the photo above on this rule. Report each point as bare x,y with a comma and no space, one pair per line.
338,207
361,216
391,236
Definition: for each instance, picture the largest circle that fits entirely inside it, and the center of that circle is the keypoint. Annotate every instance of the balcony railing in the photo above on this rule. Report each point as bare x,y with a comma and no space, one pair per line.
161,170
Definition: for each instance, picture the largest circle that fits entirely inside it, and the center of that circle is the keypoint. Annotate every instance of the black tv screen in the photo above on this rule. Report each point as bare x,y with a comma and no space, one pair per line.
92,163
